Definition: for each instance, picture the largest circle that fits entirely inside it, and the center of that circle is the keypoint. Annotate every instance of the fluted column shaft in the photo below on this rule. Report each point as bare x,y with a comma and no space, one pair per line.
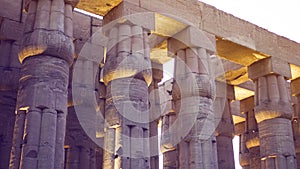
127,74
252,140
244,157
155,112
47,53
167,147
193,94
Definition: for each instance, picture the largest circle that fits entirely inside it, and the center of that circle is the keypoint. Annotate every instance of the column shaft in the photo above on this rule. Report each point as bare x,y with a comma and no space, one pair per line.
73,155
225,132
193,94
127,75
47,53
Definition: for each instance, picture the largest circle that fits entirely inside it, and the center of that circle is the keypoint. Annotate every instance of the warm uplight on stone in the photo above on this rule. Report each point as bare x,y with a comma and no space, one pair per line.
85,92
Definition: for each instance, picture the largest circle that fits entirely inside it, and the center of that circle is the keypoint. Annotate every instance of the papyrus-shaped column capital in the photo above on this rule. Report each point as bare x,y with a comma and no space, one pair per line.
48,30
272,97
128,52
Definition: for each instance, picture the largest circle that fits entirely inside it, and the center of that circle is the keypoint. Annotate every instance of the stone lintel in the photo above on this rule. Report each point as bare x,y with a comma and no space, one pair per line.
212,20
295,87
144,20
100,7
269,66
247,104
191,37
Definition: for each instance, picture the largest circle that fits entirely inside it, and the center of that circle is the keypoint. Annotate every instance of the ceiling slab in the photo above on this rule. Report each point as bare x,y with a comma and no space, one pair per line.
295,71
237,53
242,93
99,7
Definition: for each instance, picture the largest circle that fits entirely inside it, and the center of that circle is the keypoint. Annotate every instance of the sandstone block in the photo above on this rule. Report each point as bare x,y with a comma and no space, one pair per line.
191,37
295,87
43,42
11,9
269,66
144,20
247,104
12,30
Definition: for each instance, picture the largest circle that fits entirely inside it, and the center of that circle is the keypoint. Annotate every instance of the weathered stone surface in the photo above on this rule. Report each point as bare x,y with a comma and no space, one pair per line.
81,149
11,9
128,62
10,77
295,87
16,150
273,112
269,66
193,94
32,136
50,32
225,152
6,31
44,84
272,100
191,37
36,82
7,120
244,153
42,42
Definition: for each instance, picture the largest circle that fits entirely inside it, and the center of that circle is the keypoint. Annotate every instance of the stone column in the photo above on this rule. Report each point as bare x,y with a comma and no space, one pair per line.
46,55
193,95
80,146
295,84
72,161
273,113
155,112
244,152
127,75
251,132
167,147
79,157
11,32
7,119
225,134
